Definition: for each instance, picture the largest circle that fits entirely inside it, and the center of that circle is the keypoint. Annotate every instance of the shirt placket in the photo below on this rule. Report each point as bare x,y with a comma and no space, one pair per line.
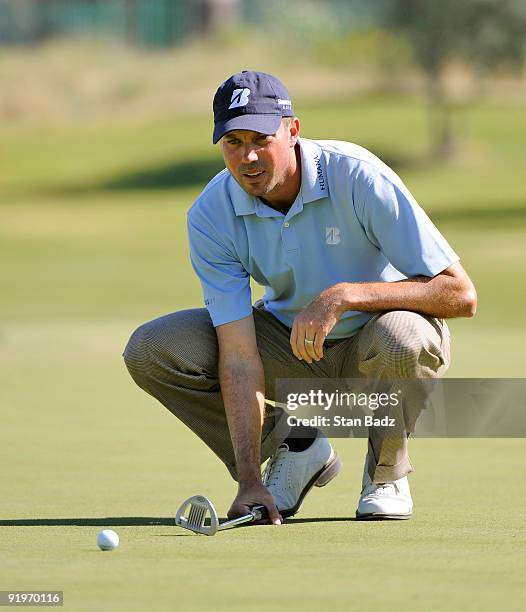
289,235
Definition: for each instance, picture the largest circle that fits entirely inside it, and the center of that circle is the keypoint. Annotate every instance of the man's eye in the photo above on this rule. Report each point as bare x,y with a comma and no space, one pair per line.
232,142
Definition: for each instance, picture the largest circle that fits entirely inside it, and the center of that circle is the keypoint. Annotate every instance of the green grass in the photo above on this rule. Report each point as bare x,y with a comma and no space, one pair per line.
84,443
483,177
92,247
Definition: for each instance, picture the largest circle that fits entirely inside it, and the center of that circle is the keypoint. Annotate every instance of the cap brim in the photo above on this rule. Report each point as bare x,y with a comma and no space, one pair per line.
265,124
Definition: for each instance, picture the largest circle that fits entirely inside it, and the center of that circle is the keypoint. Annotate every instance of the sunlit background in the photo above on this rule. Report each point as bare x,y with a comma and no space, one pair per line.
105,141
105,130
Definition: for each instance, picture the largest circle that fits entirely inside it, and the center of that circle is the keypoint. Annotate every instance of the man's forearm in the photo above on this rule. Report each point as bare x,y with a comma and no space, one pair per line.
243,390
442,296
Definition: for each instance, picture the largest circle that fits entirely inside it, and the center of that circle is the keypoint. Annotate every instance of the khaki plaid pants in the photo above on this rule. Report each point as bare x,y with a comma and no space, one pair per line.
175,359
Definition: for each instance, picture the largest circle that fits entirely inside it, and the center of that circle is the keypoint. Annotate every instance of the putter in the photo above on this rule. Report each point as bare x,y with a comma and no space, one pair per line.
194,511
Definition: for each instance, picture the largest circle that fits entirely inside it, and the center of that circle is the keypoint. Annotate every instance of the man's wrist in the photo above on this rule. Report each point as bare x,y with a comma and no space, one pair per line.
349,293
249,471
248,480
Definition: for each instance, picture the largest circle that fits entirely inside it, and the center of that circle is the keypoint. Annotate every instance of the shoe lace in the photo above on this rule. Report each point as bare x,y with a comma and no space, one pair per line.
380,489
273,468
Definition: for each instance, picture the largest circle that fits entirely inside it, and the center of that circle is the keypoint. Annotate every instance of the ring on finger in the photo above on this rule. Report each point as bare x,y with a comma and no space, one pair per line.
307,341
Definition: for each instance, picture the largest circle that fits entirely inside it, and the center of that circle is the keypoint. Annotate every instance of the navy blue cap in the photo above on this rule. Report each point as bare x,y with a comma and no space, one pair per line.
250,101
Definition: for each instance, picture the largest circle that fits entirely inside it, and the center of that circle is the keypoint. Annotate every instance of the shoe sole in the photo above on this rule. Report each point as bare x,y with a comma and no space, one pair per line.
329,471
383,517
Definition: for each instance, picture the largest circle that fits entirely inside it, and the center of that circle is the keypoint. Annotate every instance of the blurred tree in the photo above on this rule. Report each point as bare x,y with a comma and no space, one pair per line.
484,33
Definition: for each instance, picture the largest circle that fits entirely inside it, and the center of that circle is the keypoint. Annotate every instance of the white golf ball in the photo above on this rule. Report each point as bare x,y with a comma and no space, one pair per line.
107,539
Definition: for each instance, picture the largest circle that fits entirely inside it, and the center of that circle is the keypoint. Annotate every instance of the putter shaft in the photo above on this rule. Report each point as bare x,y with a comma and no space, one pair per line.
256,514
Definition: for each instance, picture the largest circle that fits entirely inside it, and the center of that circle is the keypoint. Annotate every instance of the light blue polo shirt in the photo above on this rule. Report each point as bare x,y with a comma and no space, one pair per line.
352,221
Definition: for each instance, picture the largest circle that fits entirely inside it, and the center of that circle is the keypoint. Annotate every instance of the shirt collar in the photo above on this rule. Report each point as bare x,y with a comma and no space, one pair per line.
314,184
244,204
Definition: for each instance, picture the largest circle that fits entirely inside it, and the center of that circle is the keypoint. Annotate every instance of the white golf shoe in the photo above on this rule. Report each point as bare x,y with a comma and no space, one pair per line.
289,476
391,500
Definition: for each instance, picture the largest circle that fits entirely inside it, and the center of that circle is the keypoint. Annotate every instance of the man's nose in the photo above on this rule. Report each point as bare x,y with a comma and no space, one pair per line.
249,155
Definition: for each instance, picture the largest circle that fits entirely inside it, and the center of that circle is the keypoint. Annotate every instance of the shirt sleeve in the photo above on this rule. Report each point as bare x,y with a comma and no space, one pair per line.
225,283
399,227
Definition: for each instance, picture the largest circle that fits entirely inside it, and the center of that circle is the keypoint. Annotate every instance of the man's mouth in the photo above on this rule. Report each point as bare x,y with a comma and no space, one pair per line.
253,173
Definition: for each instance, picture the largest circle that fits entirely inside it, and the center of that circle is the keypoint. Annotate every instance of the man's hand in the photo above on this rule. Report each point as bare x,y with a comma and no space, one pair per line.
254,495
315,322
448,294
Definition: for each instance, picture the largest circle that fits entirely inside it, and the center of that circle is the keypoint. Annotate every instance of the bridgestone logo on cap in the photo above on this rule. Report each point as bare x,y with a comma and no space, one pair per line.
239,98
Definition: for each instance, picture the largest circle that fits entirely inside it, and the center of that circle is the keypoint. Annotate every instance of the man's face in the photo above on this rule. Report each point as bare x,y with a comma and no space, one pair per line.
263,165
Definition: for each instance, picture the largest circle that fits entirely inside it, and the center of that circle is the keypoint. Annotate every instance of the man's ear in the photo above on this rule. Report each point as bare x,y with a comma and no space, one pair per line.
294,131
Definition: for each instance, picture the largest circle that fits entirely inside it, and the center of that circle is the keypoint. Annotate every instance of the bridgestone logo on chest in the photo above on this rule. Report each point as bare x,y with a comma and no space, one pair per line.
332,235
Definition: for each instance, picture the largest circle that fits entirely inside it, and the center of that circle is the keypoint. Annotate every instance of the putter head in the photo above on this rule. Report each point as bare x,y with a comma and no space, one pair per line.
193,513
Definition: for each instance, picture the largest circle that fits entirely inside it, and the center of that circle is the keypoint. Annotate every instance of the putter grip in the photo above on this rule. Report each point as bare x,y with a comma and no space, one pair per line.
259,513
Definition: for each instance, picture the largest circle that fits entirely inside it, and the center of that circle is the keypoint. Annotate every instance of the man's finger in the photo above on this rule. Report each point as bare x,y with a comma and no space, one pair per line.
301,347
309,340
237,510
294,340
318,343
309,349
298,340
273,514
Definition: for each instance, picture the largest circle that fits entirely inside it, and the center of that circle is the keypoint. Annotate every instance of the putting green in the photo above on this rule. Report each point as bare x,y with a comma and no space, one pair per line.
85,449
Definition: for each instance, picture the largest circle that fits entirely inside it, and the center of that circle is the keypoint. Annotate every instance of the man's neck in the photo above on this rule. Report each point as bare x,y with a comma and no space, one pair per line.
282,208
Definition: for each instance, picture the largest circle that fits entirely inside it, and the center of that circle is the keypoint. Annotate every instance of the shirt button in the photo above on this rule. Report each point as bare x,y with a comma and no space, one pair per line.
286,224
